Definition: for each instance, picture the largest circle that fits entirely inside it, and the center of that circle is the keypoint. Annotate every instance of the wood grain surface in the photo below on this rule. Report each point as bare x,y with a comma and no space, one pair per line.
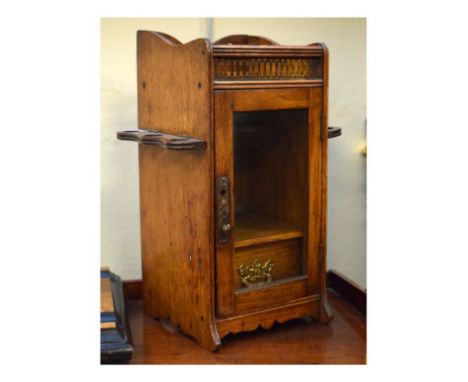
279,172
254,230
285,254
176,187
161,139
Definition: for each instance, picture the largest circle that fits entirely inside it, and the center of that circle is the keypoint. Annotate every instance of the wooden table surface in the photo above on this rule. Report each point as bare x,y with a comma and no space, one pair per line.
343,341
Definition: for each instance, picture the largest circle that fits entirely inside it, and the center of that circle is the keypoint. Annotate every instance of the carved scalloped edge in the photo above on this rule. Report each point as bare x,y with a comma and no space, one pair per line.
245,39
265,324
307,306
236,39
170,40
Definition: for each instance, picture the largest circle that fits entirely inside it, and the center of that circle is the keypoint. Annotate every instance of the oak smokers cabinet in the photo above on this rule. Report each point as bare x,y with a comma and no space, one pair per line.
233,182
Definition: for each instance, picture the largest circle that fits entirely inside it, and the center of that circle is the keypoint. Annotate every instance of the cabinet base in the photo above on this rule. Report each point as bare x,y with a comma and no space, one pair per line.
308,306
208,333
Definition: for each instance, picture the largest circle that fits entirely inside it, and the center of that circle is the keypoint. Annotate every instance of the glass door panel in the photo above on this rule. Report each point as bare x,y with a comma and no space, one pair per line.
270,150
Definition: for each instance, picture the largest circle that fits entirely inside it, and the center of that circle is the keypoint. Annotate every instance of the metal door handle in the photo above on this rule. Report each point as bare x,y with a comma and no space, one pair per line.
223,214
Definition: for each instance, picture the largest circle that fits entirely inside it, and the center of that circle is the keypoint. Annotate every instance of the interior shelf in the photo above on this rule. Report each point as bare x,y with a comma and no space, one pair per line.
253,229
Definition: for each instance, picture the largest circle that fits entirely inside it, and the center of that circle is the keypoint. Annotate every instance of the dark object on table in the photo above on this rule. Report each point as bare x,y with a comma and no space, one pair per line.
116,344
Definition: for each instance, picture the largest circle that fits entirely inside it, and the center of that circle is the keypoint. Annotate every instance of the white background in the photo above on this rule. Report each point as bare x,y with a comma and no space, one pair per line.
417,190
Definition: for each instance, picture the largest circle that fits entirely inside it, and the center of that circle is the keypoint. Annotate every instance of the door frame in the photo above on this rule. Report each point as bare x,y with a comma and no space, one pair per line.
225,104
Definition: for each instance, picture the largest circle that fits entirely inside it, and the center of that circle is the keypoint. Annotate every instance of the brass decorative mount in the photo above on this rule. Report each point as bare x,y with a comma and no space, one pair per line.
255,273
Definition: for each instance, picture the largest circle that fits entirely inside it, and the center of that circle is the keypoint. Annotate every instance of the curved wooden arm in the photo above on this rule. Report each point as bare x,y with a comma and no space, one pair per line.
166,141
334,132
175,142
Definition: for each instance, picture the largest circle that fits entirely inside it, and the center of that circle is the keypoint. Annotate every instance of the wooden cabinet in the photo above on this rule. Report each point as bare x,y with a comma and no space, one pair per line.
233,182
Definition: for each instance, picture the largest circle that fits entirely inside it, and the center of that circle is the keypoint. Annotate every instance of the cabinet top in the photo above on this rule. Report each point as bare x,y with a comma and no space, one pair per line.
246,45
243,45
239,61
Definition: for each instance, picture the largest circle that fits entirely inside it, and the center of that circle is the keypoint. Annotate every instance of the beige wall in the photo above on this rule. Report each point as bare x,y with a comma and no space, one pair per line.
120,218
346,40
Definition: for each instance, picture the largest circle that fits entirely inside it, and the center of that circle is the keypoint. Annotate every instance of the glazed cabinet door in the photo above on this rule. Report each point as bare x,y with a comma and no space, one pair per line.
268,191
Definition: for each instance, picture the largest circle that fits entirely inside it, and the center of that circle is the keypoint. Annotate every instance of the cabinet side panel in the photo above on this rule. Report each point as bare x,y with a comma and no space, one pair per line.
315,202
176,188
325,314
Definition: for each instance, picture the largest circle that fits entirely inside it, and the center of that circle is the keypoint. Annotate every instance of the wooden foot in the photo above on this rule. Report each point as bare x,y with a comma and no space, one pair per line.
210,339
326,314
